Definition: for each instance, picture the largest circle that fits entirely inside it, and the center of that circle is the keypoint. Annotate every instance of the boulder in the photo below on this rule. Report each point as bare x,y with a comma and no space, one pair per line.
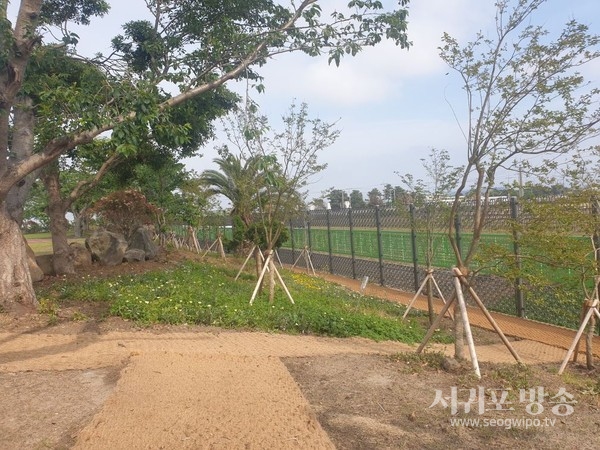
141,239
134,255
46,263
107,248
37,274
81,255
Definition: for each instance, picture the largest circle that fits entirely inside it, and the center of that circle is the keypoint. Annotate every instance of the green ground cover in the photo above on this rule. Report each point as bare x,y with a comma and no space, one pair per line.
200,293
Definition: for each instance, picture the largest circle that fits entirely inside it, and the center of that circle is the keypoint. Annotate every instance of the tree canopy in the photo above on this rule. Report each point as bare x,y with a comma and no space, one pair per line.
525,96
188,49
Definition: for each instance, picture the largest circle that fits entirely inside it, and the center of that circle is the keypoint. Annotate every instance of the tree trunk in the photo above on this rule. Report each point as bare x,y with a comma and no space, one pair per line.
79,223
21,148
430,301
16,288
57,209
258,259
271,281
589,339
459,334
15,200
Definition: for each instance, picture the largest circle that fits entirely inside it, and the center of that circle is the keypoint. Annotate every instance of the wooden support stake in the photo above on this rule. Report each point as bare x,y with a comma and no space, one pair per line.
283,284
209,248
278,259
245,262
488,316
593,310
435,323
221,248
467,326
260,278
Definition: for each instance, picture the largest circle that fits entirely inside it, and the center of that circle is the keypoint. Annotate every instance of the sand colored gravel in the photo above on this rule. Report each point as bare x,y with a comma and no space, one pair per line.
197,389
173,400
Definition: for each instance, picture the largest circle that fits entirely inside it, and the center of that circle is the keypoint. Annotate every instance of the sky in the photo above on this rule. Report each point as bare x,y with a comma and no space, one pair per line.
391,105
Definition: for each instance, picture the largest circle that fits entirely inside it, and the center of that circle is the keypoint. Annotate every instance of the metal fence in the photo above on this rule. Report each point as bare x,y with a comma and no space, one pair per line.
390,245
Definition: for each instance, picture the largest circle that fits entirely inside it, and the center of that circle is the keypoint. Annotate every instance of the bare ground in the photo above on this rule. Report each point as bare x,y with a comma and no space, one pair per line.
104,383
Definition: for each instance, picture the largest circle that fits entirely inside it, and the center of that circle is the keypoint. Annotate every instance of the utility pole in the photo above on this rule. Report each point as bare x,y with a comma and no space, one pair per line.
520,182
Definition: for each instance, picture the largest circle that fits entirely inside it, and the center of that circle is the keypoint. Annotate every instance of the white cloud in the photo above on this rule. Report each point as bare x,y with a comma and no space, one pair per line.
349,84
378,73
368,153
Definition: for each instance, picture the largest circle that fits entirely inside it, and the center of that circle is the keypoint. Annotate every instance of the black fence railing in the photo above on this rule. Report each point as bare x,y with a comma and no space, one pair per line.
391,246
394,246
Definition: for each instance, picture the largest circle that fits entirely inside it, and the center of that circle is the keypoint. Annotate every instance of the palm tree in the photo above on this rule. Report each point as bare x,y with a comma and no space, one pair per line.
237,180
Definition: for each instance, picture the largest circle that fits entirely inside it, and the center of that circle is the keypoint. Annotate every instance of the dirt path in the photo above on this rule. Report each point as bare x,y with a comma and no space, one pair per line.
189,387
204,401
195,389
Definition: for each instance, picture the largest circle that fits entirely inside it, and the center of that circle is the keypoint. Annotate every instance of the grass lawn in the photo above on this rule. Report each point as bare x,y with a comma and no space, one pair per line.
201,293
38,235
41,243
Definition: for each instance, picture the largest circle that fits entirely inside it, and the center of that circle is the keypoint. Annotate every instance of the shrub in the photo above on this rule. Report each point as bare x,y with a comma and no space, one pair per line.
124,211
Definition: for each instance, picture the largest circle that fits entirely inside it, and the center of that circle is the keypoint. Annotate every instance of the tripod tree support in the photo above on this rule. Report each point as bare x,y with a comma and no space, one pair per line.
459,280
592,310
270,266
423,284
219,244
191,239
248,258
488,316
309,265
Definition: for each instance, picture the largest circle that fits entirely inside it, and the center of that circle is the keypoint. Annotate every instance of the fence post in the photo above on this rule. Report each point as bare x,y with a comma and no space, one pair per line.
457,232
329,242
379,245
292,241
413,242
596,235
351,225
514,215
308,232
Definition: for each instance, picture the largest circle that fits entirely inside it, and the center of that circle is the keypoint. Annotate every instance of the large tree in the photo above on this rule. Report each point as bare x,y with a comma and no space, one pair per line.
525,96
237,179
192,45
375,198
395,195
86,165
357,200
337,198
